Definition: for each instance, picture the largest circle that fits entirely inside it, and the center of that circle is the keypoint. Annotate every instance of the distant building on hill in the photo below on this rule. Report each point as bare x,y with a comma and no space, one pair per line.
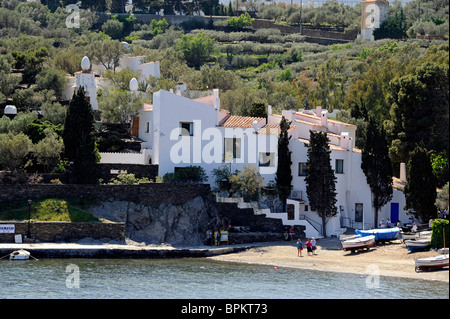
374,12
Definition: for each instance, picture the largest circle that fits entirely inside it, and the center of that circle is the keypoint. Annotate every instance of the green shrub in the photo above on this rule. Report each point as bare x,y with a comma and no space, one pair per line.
128,179
190,174
247,182
244,20
440,229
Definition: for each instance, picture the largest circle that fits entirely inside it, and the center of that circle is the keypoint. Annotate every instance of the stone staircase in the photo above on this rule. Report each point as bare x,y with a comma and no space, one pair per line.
258,228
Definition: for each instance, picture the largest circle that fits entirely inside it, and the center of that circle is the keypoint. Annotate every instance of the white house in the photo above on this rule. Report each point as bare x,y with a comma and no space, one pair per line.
178,132
85,79
137,64
90,76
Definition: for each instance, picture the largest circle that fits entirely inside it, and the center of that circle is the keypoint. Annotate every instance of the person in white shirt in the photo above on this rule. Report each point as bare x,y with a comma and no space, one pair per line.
388,223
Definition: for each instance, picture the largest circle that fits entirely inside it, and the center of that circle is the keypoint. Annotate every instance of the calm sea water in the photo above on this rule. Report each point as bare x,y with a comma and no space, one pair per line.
194,279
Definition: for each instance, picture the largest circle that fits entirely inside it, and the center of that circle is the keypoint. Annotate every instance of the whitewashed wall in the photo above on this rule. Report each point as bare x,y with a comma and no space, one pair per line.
125,158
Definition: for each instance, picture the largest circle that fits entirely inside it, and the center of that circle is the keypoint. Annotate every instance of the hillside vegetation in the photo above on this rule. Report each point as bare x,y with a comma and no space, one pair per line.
401,82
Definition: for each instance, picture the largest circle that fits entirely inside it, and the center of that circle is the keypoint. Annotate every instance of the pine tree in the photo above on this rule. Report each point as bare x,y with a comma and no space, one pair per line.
78,137
420,189
283,177
230,9
376,165
320,180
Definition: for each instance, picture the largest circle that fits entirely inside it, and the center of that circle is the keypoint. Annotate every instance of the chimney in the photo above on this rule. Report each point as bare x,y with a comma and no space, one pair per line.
269,110
216,93
403,172
324,118
289,115
344,140
171,90
255,126
216,110
318,111
350,144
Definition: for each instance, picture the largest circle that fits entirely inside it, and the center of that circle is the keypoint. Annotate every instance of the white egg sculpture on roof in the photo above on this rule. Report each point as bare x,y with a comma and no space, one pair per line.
10,110
85,63
134,85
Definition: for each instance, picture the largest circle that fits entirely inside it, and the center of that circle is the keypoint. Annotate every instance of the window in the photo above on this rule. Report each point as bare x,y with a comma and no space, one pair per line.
302,169
186,129
266,159
339,169
232,146
147,127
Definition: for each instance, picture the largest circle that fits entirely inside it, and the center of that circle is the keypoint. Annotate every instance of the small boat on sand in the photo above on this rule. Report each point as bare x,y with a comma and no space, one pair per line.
418,244
358,243
381,234
415,235
435,262
20,254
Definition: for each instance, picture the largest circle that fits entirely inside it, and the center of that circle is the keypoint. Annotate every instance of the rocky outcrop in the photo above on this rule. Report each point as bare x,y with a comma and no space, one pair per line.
184,224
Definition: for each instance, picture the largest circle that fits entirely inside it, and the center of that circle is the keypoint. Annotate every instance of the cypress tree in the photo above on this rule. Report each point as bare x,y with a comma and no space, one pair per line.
283,177
376,165
78,137
420,189
320,180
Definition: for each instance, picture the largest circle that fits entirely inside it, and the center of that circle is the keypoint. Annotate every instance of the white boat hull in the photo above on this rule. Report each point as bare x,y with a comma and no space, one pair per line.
418,244
358,243
431,262
19,255
418,235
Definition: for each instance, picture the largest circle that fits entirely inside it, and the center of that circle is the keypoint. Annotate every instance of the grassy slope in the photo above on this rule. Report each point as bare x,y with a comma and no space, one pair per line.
51,209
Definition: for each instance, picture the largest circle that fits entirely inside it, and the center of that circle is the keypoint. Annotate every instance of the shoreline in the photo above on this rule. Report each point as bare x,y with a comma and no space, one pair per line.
390,259
117,251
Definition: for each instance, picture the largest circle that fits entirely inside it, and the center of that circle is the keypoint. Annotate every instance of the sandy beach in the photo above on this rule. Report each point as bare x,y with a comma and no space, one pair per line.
390,259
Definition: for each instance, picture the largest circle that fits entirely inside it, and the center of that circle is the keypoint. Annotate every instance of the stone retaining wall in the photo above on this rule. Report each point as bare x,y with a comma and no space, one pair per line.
310,33
65,231
152,194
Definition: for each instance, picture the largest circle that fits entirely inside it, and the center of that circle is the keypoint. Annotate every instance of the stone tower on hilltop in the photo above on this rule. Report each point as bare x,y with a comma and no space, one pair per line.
374,12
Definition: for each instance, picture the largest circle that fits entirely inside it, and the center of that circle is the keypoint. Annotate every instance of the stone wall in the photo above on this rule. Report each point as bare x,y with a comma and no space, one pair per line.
66,231
172,19
309,33
245,217
147,193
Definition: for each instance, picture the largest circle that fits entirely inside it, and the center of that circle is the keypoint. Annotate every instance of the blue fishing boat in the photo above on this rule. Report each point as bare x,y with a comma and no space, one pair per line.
381,234
418,244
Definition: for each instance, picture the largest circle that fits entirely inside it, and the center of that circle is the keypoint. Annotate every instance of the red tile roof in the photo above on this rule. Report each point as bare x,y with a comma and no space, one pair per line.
240,121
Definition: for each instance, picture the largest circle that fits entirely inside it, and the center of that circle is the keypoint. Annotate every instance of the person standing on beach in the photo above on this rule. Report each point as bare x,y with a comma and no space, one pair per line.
299,248
209,237
218,237
308,247
314,246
